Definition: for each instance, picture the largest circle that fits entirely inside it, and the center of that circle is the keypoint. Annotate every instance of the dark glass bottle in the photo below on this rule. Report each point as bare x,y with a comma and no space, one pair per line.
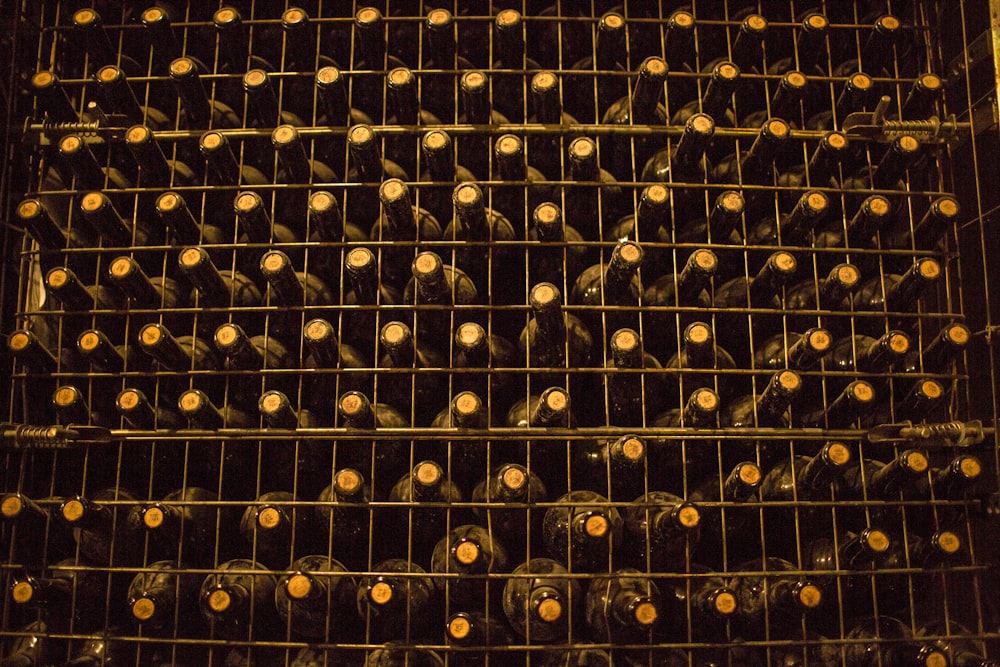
163,598
661,530
860,554
761,291
121,99
856,95
894,293
263,110
291,290
334,110
63,595
699,352
791,229
103,355
804,352
669,457
609,56
327,356
768,409
395,606
642,107
588,212
223,165
646,224
101,529
99,212
237,600
631,393
440,53
685,165
52,98
32,645
614,468
476,354
370,54
183,525
771,602
417,392
383,461
583,530
475,629
87,173
822,169
466,457
868,356
874,480
707,600
181,354
941,217
200,111
368,296
143,292
757,165
472,554
501,502
613,286
474,149
315,600
624,607
253,353
510,56
174,213
560,255
426,483
217,288
886,639
271,523
403,225
546,150
538,600
343,516
723,225
803,479
730,533
155,169
475,230
554,338
832,293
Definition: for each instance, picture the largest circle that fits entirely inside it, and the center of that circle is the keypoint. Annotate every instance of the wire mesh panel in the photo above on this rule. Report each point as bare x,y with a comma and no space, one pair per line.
500,333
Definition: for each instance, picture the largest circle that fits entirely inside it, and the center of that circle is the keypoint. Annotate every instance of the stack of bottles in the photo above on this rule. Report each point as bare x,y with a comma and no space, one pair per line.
459,337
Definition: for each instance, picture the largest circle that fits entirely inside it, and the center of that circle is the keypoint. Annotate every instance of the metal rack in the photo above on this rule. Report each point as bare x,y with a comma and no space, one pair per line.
941,37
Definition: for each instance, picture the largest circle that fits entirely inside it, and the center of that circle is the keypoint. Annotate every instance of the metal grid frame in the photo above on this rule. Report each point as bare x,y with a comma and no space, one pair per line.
26,471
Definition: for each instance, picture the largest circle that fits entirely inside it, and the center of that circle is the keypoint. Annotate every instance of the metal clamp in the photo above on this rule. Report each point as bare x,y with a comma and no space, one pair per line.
947,434
874,126
23,436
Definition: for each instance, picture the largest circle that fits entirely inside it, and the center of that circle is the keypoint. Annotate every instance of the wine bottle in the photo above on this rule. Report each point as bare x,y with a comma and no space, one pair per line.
475,229
155,169
761,291
163,598
476,356
417,394
315,600
512,168
472,554
510,53
216,288
64,596
661,530
645,224
183,525
861,554
941,217
467,458
560,255
786,102
32,645
367,297
546,150
770,602
173,212
272,524
856,95
614,468
237,600
791,229
706,599
52,98
100,213
223,165
143,292
729,533
553,339
200,112
631,393
769,409
869,356
263,110
685,164
330,359
398,654
613,286
609,56
538,600
100,527
822,169
502,503
396,601
475,629
716,100
874,480
890,640
854,403
370,54
473,149
291,289
296,168
384,461
84,169
832,293
583,530
757,165
104,356
260,354
334,110
121,99
624,607
804,479
427,483
804,354
588,211
343,515
642,107
669,457
440,53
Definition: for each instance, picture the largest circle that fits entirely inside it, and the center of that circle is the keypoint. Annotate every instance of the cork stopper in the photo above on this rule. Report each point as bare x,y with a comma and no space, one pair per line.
861,81
750,475
877,541
796,79
817,22
122,267
707,400
459,628
466,195
298,586
467,553
190,402
654,67
400,76
656,194
839,454
547,213
152,518
317,330
191,257
392,190
789,381
698,333
931,82
72,510
467,404
151,335
225,16
820,340
138,134
514,478
626,340
916,461
128,399
359,258
680,18
931,388
93,202
899,343
42,80
143,609
70,144
368,16
109,74
863,392
380,593
284,135
810,596
596,526
508,144
19,341
908,143
645,613
270,403
689,517
348,481
351,404
435,140
226,335
255,78
327,75
836,140
88,341
293,17
732,202
65,396
22,592
268,518
219,601
949,542
508,17
427,473
557,401
11,507
633,449
929,269
550,610
544,294
727,71
247,202
543,81
725,603
393,333
181,67
469,333
211,140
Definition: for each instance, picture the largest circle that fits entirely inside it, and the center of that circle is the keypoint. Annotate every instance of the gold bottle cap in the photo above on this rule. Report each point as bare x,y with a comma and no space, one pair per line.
465,194
508,17
810,596
436,140
596,526
153,517
225,15
725,603
750,474
93,201
138,134
128,399
467,403
348,481
550,610
949,542
327,75
42,79
689,516
368,15
838,453
467,553
109,74
181,67
878,541
298,586
428,473
971,467
219,601
706,399
817,21
557,400
293,16
268,518
626,339
459,628
633,449
11,507
469,333
351,404
514,478
699,333
72,510
645,613
255,78
18,341
547,213
22,592
380,593
143,609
